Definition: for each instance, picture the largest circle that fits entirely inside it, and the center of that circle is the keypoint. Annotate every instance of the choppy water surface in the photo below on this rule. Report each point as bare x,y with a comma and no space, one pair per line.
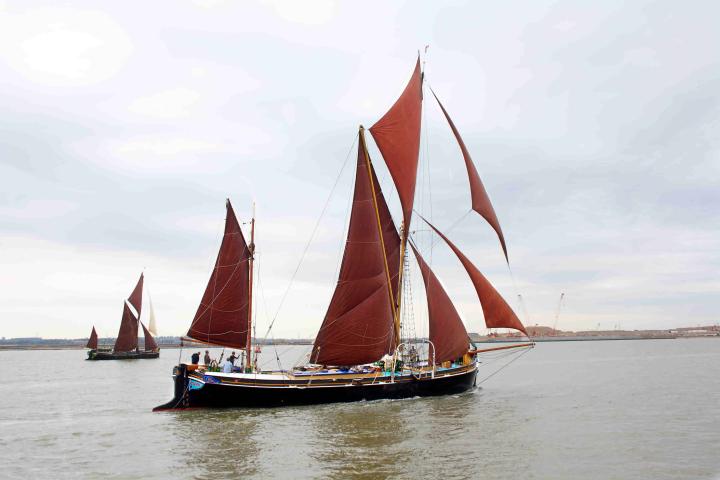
588,410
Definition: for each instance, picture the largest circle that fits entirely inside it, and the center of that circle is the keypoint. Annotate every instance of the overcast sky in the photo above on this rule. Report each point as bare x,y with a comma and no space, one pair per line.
124,126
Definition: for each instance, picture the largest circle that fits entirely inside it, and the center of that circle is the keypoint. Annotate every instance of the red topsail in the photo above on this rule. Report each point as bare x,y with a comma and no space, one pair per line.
497,312
480,199
135,297
447,332
222,317
358,326
397,135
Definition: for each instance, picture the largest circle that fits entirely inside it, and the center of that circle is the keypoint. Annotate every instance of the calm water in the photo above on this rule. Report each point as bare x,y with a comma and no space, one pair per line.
596,410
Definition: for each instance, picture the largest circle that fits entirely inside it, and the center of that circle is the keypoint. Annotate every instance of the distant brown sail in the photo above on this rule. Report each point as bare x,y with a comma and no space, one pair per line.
358,326
222,317
127,339
92,343
397,135
150,343
135,297
447,332
480,199
497,312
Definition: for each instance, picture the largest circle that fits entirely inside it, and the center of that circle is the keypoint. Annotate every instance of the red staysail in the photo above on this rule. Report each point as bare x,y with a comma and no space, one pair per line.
391,237
480,199
135,297
358,326
397,135
222,317
447,332
497,312
127,339
93,340
150,344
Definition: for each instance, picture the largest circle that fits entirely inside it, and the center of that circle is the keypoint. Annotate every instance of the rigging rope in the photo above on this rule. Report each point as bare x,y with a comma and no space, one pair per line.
503,367
312,236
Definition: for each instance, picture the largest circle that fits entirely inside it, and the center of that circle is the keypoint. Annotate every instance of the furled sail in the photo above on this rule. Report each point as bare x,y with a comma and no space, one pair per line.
480,199
93,340
127,339
358,326
152,326
497,312
447,332
222,317
150,344
135,297
397,135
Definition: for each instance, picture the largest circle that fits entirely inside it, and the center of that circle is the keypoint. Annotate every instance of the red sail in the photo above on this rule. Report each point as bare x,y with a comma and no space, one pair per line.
222,317
397,135
480,199
127,339
93,340
447,332
391,237
358,326
497,312
150,344
135,298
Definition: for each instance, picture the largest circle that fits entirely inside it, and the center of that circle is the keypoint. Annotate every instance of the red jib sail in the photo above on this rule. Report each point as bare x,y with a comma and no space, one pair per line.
93,340
497,312
447,332
480,199
222,317
150,344
135,298
127,339
358,325
397,135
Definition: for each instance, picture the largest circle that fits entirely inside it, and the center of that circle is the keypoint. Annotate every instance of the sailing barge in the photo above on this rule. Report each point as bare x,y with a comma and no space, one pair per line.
360,352
126,344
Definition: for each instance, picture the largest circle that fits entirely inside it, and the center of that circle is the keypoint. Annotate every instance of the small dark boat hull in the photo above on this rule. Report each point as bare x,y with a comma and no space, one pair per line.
191,394
99,355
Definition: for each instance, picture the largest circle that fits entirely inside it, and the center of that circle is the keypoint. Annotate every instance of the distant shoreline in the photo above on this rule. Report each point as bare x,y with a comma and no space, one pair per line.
162,346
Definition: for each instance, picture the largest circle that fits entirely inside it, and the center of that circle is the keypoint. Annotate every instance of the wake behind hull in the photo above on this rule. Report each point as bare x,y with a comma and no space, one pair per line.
191,394
121,355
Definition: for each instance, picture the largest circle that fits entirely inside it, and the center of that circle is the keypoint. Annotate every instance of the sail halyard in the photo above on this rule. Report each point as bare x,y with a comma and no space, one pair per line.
222,316
480,199
496,311
359,324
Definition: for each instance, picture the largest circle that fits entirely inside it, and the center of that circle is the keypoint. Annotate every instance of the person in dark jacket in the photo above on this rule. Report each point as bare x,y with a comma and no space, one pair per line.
195,358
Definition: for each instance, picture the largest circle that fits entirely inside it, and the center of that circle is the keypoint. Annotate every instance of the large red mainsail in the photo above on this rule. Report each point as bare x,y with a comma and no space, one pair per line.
397,135
93,340
497,312
222,317
447,332
135,297
150,344
358,326
127,339
480,199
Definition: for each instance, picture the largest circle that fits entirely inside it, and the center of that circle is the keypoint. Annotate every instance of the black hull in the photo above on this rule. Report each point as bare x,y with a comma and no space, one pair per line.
121,355
229,396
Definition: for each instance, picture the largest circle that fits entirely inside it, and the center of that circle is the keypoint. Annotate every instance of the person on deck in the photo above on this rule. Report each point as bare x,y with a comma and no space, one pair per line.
227,366
207,357
195,358
232,358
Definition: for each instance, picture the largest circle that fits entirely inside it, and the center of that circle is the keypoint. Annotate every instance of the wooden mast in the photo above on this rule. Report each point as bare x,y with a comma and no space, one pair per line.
396,320
251,248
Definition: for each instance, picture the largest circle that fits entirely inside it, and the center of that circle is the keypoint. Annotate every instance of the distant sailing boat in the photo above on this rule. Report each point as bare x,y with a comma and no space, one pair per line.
126,344
359,352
